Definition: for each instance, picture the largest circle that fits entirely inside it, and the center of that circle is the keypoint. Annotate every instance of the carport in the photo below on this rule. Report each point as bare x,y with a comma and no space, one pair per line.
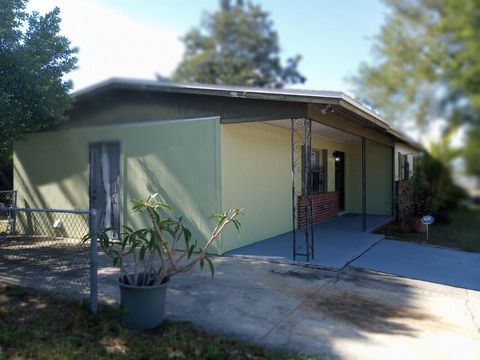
337,242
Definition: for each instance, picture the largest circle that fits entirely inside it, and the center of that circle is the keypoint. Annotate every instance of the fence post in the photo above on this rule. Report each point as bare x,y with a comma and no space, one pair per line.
93,262
14,214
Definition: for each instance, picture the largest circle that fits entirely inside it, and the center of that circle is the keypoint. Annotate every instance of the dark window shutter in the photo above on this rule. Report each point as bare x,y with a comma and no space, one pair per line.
400,166
325,170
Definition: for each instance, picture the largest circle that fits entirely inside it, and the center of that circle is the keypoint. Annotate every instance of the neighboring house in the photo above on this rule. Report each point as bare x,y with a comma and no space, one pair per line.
206,148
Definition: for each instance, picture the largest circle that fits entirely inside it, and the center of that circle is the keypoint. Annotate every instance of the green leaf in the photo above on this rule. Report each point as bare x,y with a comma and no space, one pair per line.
141,254
190,251
210,265
127,228
237,225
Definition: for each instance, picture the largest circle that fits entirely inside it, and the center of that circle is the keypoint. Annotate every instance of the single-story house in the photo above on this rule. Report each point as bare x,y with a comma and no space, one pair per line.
204,148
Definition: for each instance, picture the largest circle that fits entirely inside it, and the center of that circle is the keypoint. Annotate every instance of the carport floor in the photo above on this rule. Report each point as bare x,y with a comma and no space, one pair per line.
337,242
424,262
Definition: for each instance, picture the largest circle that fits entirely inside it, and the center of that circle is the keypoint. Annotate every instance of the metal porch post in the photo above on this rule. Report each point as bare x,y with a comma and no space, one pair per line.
364,186
308,189
301,143
294,196
394,190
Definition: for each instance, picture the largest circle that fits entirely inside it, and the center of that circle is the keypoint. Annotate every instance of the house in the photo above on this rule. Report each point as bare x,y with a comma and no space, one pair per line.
204,148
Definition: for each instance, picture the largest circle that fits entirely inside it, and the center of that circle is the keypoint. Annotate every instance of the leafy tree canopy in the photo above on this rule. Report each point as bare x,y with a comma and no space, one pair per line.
427,65
237,45
33,60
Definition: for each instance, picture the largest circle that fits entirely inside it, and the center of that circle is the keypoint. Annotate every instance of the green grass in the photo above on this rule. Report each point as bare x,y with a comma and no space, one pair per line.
462,231
33,325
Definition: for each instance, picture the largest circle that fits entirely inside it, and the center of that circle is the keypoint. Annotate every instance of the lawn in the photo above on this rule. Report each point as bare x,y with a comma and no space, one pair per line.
33,325
462,231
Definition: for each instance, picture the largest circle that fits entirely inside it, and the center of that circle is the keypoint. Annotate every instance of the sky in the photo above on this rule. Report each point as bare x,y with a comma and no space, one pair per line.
141,38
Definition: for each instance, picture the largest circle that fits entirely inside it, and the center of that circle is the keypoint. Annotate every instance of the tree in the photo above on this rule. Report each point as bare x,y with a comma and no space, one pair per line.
472,153
33,60
426,65
237,45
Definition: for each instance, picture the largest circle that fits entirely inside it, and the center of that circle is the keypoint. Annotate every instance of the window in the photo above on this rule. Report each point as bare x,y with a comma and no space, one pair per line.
319,170
403,167
416,163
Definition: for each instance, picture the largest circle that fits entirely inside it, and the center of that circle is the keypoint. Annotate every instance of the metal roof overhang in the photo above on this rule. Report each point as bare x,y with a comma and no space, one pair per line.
339,100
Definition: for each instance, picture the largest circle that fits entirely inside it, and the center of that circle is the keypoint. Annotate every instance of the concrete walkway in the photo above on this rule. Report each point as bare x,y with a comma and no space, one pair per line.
348,314
424,262
337,242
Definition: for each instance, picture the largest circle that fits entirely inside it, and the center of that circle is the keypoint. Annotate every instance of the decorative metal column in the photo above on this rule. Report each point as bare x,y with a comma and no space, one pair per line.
302,189
394,190
364,186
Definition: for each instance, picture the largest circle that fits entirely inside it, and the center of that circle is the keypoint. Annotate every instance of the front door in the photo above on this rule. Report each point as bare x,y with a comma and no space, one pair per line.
105,184
340,178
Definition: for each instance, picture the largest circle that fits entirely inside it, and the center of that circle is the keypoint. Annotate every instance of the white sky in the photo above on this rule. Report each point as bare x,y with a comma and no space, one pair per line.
113,44
140,38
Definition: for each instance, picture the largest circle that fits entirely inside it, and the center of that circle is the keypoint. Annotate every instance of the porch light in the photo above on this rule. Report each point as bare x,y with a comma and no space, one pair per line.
337,158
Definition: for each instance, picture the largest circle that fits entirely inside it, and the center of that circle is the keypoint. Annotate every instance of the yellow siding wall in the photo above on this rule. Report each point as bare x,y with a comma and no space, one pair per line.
256,175
179,160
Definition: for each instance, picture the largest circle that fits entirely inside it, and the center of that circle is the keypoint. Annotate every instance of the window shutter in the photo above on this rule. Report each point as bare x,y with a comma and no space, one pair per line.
400,166
325,170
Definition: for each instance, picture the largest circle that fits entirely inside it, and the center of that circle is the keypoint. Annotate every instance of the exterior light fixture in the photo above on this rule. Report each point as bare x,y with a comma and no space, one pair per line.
326,109
335,156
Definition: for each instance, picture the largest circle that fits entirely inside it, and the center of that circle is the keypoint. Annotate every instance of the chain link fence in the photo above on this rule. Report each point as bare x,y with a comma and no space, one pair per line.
43,249
8,199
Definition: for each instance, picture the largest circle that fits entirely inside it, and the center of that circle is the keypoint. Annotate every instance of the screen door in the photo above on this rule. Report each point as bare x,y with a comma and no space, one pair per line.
105,184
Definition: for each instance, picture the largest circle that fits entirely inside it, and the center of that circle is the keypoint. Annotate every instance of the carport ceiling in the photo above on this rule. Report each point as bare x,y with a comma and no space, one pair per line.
321,130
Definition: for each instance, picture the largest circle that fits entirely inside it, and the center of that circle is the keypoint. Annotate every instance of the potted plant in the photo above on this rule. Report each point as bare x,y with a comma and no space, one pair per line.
149,257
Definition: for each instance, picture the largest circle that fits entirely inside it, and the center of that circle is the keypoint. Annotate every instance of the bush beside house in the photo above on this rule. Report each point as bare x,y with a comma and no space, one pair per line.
431,190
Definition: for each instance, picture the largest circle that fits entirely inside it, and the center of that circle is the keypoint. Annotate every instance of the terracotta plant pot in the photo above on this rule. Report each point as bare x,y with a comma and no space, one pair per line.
419,228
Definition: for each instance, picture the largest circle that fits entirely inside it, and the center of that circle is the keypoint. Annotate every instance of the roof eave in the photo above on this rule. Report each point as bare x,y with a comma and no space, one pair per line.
328,98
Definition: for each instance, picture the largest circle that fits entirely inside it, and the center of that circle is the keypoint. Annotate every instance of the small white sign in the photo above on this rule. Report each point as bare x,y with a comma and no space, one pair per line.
427,220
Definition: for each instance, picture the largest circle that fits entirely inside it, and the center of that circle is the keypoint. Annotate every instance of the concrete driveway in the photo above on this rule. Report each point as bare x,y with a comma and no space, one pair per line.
423,262
347,314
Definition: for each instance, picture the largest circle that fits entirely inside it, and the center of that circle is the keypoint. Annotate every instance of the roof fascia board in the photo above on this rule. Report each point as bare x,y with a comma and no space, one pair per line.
362,111
232,93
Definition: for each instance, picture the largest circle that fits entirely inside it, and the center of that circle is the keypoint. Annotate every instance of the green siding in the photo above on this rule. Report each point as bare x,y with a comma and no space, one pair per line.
378,178
179,160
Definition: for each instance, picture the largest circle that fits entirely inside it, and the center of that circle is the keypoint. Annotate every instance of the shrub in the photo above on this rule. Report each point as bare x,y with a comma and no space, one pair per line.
431,190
